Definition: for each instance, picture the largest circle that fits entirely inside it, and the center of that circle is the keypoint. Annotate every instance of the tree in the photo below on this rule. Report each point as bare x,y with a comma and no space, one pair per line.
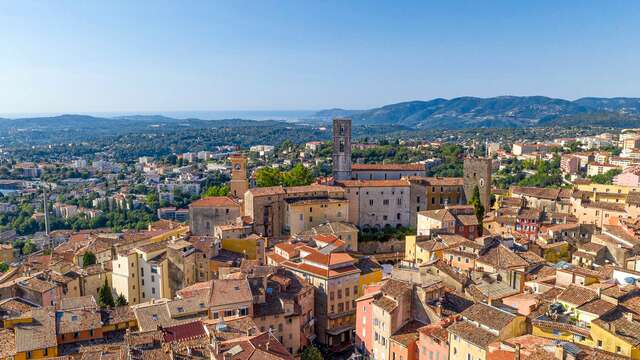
121,300
478,207
606,178
311,353
298,176
268,176
28,248
88,259
3,267
105,297
220,190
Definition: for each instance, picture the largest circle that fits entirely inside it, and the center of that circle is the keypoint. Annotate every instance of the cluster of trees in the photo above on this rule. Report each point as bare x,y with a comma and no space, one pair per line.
21,221
297,176
548,174
545,173
216,190
606,178
105,297
452,161
393,153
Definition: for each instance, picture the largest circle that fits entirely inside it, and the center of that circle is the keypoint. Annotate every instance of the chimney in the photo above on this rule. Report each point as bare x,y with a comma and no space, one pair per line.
628,316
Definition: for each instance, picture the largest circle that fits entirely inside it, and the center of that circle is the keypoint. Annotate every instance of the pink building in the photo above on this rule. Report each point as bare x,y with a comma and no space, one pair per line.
569,164
629,177
433,342
364,320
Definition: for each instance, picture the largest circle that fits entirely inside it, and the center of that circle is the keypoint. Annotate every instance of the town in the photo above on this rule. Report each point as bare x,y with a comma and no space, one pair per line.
352,247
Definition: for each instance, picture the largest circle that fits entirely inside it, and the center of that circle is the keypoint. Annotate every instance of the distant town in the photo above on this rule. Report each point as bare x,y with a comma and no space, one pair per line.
335,241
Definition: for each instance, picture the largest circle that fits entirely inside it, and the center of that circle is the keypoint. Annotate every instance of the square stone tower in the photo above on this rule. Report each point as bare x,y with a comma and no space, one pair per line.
341,149
239,183
477,172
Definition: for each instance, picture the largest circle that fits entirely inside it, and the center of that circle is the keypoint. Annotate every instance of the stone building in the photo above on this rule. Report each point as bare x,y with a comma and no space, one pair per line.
267,206
378,203
477,173
205,214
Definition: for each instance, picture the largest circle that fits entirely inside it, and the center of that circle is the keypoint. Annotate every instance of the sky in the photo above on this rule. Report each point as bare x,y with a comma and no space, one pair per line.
158,56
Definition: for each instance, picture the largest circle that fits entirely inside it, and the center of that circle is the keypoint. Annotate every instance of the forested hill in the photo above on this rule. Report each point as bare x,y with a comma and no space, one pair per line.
502,111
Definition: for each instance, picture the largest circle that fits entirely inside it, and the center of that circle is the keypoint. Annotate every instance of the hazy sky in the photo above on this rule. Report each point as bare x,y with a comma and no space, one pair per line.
92,56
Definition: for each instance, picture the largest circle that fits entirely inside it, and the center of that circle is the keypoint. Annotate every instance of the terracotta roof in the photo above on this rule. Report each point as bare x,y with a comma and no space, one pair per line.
541,193
71,321
386,303
373,183
597,307
473,334
407,334
502,258
437,181
388,167
215,201
7,344
488,316
259,347
225,292
577,295
184,332
39,334
617,323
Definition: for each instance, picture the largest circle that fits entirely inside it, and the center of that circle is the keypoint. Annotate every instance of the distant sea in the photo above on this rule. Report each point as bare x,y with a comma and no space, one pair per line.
284,115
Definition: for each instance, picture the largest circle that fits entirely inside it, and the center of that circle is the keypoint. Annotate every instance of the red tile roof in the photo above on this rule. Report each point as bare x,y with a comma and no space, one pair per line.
215,201
183,332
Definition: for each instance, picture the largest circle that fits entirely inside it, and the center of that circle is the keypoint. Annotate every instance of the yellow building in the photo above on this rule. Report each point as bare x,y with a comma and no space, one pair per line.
616,332
32,337
252,247
606,192
419,250
482,325
302,215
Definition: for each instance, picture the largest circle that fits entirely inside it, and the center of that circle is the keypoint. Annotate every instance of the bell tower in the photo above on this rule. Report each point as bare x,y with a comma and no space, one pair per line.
341,149
239,183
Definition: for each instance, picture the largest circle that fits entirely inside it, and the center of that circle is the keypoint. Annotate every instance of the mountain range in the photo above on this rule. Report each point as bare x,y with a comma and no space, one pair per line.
457,113
501,111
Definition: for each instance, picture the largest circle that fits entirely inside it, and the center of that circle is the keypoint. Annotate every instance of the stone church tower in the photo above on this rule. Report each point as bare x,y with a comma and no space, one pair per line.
477,172
239,183
341,149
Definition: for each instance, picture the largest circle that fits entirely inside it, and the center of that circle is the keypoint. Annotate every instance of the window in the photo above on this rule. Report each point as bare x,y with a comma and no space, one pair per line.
385,202
215,316
245,311
346,292
599,343
153,290
618,349
371,202
229,313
